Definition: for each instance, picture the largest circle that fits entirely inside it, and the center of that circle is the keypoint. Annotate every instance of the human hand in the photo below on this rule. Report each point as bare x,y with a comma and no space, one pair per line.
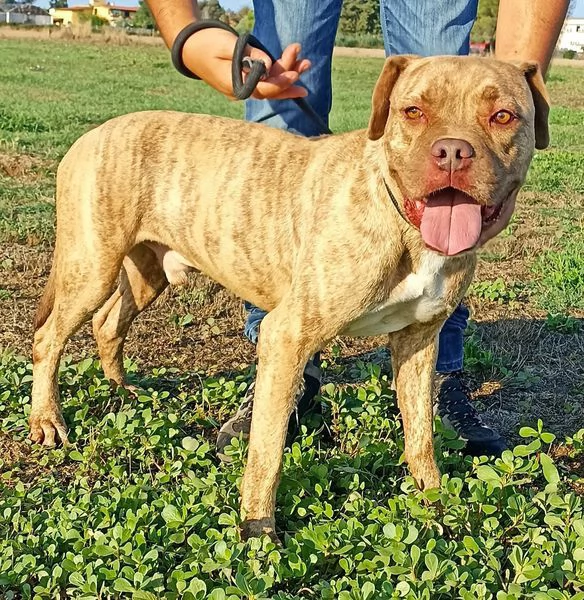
208,53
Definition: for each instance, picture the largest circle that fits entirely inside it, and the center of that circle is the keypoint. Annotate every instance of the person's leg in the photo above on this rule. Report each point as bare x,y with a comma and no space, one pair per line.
451,341
313,24
427,27
435,28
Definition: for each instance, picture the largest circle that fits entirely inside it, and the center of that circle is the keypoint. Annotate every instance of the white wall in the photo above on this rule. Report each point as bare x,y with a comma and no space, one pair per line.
572,36
19,18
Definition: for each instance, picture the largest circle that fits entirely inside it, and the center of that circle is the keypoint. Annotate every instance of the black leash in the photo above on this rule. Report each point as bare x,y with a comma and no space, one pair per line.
255,70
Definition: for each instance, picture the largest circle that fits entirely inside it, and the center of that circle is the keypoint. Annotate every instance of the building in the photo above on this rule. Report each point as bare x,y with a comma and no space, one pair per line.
114,14
480,48
572,36
24,14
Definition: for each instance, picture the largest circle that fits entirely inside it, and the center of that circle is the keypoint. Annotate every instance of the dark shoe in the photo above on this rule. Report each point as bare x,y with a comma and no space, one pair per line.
240,423
457,412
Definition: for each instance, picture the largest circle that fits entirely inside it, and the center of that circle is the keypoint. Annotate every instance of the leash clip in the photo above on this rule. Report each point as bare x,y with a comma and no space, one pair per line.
255,70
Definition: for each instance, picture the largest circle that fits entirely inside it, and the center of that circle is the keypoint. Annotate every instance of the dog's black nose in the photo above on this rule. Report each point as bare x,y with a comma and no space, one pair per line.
451,154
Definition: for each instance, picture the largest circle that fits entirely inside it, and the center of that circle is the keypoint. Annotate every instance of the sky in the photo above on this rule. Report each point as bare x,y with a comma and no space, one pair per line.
237,4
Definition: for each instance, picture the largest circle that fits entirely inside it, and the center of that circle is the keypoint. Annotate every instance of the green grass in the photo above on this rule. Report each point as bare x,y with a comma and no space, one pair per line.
560,282
140,508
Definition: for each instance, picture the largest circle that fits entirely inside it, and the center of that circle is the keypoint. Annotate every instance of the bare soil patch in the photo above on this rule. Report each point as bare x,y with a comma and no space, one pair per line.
23,166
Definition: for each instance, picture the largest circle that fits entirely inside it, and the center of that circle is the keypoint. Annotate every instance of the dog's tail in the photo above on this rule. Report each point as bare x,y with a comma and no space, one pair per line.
45,305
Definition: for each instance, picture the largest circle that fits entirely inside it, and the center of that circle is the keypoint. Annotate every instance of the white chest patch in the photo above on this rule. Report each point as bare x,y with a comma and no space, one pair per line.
417,299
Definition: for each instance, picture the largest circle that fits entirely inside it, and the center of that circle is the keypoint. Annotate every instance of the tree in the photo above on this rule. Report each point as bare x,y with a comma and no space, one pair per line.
245,20
360,17
143,17
58,4
211,9
486,23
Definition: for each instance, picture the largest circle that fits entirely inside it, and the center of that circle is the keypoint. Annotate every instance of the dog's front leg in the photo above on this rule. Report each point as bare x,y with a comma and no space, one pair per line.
413,355
282,354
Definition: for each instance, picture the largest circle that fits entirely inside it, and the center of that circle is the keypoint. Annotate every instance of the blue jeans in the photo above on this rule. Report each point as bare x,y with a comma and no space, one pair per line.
424,27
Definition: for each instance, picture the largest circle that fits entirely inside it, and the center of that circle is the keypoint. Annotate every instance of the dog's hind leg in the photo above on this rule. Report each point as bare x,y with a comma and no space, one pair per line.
78,285
142,280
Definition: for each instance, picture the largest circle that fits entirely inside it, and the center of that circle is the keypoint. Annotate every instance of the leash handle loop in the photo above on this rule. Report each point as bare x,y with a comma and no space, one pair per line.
181,39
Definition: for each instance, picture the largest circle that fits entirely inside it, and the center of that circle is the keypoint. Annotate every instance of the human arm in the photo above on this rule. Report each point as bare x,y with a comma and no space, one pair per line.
209,52
529,29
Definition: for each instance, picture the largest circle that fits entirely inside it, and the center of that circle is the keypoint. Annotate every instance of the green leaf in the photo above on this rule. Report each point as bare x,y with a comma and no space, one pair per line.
527,432
470,544
196,587
549,469
489,509
123,585
403,587
171,514
554,521
547,438
76,455
486,473
190,444
578,526
140,595
103,550
77,579
431,561
389,531
367,590
412,535
579,554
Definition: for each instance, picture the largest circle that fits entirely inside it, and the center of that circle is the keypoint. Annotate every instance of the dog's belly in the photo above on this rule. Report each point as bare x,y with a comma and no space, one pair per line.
419,298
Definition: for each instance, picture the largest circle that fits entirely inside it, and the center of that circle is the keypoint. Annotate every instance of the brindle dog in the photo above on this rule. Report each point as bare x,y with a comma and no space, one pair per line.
366,233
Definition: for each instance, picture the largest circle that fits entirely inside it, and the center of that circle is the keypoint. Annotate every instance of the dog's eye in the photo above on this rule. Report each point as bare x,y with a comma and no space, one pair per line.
503,117
413,113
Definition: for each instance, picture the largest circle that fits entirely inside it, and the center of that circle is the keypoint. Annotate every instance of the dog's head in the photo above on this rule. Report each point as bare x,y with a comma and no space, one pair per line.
459,134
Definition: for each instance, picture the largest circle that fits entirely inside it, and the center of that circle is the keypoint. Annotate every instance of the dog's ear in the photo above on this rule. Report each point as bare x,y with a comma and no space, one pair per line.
392,69
541,101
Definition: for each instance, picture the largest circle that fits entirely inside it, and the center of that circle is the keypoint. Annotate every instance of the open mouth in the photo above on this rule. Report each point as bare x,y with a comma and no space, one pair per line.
451,221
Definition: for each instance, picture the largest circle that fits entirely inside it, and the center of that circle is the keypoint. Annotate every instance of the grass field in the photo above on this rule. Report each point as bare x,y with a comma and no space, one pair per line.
140,508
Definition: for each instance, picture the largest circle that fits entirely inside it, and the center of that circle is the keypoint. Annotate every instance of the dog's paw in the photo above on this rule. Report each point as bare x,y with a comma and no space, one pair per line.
48,427
258,527
428,479
132,390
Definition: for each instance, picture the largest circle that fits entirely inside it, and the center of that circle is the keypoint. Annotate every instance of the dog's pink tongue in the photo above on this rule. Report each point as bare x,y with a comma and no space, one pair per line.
451,222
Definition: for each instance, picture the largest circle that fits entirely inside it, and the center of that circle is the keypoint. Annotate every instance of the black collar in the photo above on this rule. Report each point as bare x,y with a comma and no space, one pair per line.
394,201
